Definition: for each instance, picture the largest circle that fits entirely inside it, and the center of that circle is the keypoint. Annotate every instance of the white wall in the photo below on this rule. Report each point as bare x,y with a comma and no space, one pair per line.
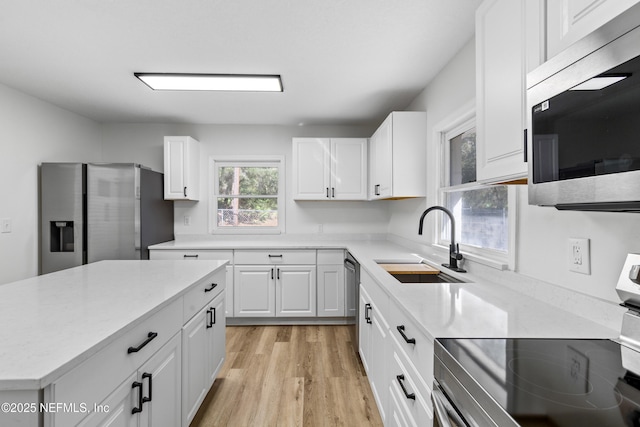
542,232
33,132
142,143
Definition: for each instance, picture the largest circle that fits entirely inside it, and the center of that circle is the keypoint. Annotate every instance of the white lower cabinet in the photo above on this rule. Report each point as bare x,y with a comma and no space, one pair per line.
275,283
374,340
332,295
149,397
203,342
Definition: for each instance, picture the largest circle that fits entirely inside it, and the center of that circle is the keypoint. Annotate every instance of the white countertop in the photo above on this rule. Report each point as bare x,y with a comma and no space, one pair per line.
471,310
51,323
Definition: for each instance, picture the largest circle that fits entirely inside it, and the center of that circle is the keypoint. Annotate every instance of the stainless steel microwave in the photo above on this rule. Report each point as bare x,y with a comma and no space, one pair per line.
583,143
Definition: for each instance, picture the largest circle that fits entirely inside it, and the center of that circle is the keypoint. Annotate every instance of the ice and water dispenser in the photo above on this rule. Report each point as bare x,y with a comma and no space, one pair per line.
61,237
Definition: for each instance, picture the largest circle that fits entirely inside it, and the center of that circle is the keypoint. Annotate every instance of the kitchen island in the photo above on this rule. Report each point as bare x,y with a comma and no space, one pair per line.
73,342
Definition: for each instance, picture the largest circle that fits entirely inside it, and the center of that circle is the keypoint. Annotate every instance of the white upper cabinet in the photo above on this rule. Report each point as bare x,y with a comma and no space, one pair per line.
507,46
570,20
330,168
398,156
181,168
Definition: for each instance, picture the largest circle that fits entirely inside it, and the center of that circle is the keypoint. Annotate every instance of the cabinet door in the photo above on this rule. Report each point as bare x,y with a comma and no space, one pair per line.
296,291
500,91
311,168
364,327
379,349
161,383
228,295
570,20
331,292
216,337
115,410
194,365
254,291
181,168
381,166
349,169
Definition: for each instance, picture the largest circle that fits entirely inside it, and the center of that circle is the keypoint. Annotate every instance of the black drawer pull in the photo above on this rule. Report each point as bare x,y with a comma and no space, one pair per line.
137,409
367,307
275,256
213,286
407,340
150,337
147,375
400,379
190,256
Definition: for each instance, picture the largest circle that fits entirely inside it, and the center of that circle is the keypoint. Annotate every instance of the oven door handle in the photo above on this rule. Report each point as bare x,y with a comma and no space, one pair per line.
444,413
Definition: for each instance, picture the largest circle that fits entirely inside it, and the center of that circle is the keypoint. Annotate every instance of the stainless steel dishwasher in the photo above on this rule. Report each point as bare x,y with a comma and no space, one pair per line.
352,282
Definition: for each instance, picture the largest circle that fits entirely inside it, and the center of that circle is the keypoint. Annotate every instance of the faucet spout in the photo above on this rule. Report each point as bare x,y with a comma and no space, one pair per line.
454,249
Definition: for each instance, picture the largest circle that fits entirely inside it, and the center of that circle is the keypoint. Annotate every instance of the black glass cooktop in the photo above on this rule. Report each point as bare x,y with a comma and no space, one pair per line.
553,382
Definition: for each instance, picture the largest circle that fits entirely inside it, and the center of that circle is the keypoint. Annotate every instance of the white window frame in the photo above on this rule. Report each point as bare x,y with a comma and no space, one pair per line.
267,161
455,124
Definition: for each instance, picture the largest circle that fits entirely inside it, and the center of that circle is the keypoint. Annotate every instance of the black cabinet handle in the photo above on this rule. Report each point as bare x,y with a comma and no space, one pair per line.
367,307
278,273
213,286
149,376
327,192
209,318
407,340
400,379
275,256
185,191
214,315
333,192
137,409
526,131
272,274
190,256
377,189
150,337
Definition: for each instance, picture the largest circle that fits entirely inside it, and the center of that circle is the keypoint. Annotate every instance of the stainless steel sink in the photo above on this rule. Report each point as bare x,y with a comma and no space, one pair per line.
426,278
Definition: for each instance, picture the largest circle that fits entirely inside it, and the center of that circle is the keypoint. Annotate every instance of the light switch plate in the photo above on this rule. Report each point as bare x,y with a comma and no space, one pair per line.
5,225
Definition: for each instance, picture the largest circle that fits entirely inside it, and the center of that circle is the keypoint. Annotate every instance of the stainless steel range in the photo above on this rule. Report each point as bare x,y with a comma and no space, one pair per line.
544,382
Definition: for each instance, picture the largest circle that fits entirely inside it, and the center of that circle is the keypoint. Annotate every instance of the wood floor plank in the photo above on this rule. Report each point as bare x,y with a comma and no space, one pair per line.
289,376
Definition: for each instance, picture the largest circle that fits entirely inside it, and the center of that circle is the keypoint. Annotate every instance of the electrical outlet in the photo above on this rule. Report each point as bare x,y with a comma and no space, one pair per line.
187,220
579,256
577,370
5,225
320,228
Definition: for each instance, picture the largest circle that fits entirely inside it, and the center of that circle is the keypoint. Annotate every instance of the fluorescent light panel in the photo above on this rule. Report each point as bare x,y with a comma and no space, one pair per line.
212,82
599,82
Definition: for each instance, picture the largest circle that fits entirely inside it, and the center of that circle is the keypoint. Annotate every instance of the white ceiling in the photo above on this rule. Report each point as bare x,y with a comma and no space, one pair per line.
341,61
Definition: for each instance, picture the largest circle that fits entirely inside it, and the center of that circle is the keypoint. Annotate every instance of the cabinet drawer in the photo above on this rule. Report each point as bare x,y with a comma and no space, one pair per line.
275,256
92,381
413,404
203,292
419,354
330,256
191,255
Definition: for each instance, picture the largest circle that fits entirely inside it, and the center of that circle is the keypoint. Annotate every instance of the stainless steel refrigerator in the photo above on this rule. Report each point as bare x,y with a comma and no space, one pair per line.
92,212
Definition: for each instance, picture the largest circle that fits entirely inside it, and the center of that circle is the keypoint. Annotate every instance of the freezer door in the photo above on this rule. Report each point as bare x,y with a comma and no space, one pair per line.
113,200
61,216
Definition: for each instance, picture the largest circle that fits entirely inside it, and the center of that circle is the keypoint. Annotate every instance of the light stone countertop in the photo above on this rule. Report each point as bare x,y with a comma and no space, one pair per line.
477,309
51,323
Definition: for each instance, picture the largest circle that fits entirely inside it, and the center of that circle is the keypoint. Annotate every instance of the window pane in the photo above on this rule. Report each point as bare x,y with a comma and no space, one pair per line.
481,217
250,212
463,158
248,180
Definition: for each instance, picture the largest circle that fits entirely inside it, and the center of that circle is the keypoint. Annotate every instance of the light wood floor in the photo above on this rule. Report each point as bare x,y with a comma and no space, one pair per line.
289,376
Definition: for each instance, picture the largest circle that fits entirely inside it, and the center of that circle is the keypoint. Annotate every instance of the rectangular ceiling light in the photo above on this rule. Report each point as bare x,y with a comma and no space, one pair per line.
600,82
215,82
